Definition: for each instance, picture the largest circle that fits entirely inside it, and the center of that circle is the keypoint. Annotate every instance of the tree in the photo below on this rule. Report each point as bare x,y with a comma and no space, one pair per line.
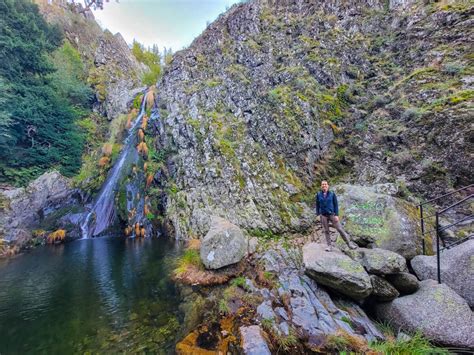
38,113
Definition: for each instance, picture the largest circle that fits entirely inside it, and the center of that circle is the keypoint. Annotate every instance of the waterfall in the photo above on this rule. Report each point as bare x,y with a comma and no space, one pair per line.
103,213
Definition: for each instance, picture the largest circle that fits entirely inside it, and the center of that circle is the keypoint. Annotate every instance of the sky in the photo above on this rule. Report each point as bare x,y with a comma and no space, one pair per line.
167,23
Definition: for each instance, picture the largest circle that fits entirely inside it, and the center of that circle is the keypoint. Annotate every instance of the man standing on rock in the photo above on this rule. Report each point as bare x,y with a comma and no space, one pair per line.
327,208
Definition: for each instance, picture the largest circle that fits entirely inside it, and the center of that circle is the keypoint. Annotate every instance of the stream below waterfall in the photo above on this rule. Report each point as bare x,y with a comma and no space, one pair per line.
101,295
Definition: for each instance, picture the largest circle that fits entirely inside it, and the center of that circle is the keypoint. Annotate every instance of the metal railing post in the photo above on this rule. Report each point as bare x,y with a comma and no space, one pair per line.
438,256
422,229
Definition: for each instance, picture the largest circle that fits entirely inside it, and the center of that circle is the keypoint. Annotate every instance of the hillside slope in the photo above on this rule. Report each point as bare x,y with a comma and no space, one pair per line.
274,96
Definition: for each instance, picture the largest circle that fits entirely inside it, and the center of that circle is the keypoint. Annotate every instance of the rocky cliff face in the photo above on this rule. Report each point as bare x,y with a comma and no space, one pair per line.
113,71
276,95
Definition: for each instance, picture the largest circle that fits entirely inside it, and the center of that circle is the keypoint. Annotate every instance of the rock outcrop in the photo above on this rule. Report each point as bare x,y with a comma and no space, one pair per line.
273,97
435,310
304,307
457,269
113,71
336,271
223,245
24,208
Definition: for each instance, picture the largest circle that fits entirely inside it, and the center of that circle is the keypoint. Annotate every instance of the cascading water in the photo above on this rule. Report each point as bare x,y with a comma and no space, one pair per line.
103,213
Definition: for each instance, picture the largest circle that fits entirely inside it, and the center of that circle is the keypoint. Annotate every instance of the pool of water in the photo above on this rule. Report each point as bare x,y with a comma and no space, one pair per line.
102,295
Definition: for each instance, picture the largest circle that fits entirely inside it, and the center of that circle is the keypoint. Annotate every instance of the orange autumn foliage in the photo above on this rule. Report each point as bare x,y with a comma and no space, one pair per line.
144,122
104,161
57,236
128,231
137,229
149,99
149,180
145,167
142,232
141,135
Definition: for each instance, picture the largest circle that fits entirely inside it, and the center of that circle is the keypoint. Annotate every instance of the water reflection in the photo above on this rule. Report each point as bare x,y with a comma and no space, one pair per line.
68,297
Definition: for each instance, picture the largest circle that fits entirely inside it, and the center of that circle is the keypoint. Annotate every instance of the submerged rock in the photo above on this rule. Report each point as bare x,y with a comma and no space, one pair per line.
224,244
457,269
253,343
337,271
372,217
436,310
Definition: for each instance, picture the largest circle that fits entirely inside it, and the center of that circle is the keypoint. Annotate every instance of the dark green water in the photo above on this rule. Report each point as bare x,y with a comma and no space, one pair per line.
103,295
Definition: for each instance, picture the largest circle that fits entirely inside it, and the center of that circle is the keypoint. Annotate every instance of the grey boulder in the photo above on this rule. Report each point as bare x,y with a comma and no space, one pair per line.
373,217
379,261
457,269
253,342
383,291
223,245
436,310
336,271
404,282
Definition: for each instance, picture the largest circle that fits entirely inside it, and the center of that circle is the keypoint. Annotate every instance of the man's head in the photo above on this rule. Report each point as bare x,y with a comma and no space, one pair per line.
324,186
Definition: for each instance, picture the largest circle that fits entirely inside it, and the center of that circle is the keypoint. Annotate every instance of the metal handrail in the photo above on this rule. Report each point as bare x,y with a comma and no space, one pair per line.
447,194
456,204
437,229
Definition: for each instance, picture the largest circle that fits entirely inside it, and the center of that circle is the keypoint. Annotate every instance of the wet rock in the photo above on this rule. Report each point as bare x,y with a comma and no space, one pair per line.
436,310
223,245
457,269
336,271
379,261
387,221
253,343
404,282
383,290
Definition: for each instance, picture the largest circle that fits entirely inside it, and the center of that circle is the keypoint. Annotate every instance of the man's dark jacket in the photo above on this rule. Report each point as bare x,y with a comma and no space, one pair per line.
326,205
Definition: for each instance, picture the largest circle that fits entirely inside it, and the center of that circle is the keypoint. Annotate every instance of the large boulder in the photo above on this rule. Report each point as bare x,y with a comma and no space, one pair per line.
370,216
253,343
404,282
436,310
383,290
223,245
337,271
379,261
457,269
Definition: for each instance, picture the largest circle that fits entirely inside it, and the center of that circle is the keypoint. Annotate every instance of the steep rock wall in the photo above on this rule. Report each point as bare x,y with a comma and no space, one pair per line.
113,71
274,96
